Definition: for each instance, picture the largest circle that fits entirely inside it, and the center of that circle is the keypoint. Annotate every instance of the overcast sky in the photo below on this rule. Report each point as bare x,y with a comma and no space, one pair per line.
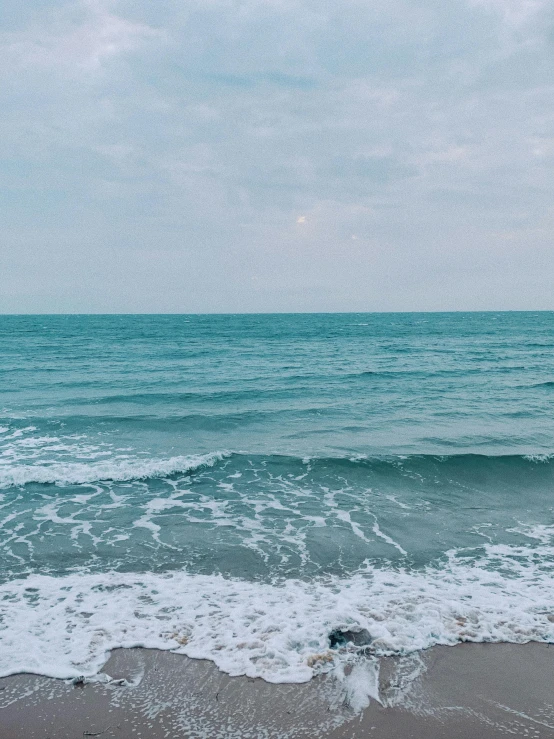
276,155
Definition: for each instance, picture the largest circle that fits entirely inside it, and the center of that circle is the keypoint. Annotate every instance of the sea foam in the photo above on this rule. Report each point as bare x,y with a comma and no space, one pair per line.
120,470
63,627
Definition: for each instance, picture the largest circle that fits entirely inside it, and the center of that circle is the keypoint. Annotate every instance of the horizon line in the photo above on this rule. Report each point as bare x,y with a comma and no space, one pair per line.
280,313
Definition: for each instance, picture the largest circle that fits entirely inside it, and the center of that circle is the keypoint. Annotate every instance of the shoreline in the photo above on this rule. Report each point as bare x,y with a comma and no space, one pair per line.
468,691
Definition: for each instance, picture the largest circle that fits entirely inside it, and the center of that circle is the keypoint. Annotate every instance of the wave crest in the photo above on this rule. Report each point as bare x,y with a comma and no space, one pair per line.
79,473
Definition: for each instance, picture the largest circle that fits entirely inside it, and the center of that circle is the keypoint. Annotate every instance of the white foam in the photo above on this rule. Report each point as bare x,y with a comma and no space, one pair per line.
540,532
66,626
546,457
360,683
377,531
75,473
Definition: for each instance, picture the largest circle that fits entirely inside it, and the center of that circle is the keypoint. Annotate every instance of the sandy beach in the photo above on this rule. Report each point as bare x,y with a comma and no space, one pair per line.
472,691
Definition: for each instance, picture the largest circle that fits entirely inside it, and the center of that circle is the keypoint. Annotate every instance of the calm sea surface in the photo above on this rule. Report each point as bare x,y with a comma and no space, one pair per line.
238,488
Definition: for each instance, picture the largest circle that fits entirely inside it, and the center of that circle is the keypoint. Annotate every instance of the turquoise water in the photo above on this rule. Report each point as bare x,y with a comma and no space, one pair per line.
389,472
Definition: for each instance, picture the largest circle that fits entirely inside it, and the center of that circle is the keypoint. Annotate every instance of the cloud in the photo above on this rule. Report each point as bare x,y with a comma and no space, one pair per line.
74,38
174,144
513,12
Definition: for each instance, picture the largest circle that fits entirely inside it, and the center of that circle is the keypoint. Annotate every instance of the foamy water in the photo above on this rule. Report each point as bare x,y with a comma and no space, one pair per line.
66,626
121,470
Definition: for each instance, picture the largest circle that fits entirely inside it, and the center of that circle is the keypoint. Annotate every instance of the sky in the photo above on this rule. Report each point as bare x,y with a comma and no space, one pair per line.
189,156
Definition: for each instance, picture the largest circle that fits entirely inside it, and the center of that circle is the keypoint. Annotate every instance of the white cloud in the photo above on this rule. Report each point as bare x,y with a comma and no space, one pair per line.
514,12
79,36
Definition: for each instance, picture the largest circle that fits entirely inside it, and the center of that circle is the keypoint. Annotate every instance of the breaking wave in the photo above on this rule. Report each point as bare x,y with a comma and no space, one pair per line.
425,466
80,473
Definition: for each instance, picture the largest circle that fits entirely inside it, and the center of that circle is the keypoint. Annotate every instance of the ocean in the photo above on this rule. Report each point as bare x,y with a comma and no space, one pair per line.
280,494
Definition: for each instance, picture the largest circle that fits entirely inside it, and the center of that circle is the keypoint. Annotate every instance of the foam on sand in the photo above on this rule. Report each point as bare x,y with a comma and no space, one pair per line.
65,626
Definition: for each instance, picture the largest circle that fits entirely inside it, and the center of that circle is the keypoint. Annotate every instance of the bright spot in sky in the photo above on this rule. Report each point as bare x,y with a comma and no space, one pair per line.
301,219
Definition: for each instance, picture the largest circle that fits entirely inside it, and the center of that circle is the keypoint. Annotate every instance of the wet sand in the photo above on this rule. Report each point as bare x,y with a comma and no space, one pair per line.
472,691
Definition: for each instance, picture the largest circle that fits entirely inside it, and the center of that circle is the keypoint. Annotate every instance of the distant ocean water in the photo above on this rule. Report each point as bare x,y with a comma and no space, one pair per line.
246,488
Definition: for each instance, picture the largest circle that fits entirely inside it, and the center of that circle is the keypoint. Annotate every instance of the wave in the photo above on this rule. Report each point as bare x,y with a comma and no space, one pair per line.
281,632
117,470
425,466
